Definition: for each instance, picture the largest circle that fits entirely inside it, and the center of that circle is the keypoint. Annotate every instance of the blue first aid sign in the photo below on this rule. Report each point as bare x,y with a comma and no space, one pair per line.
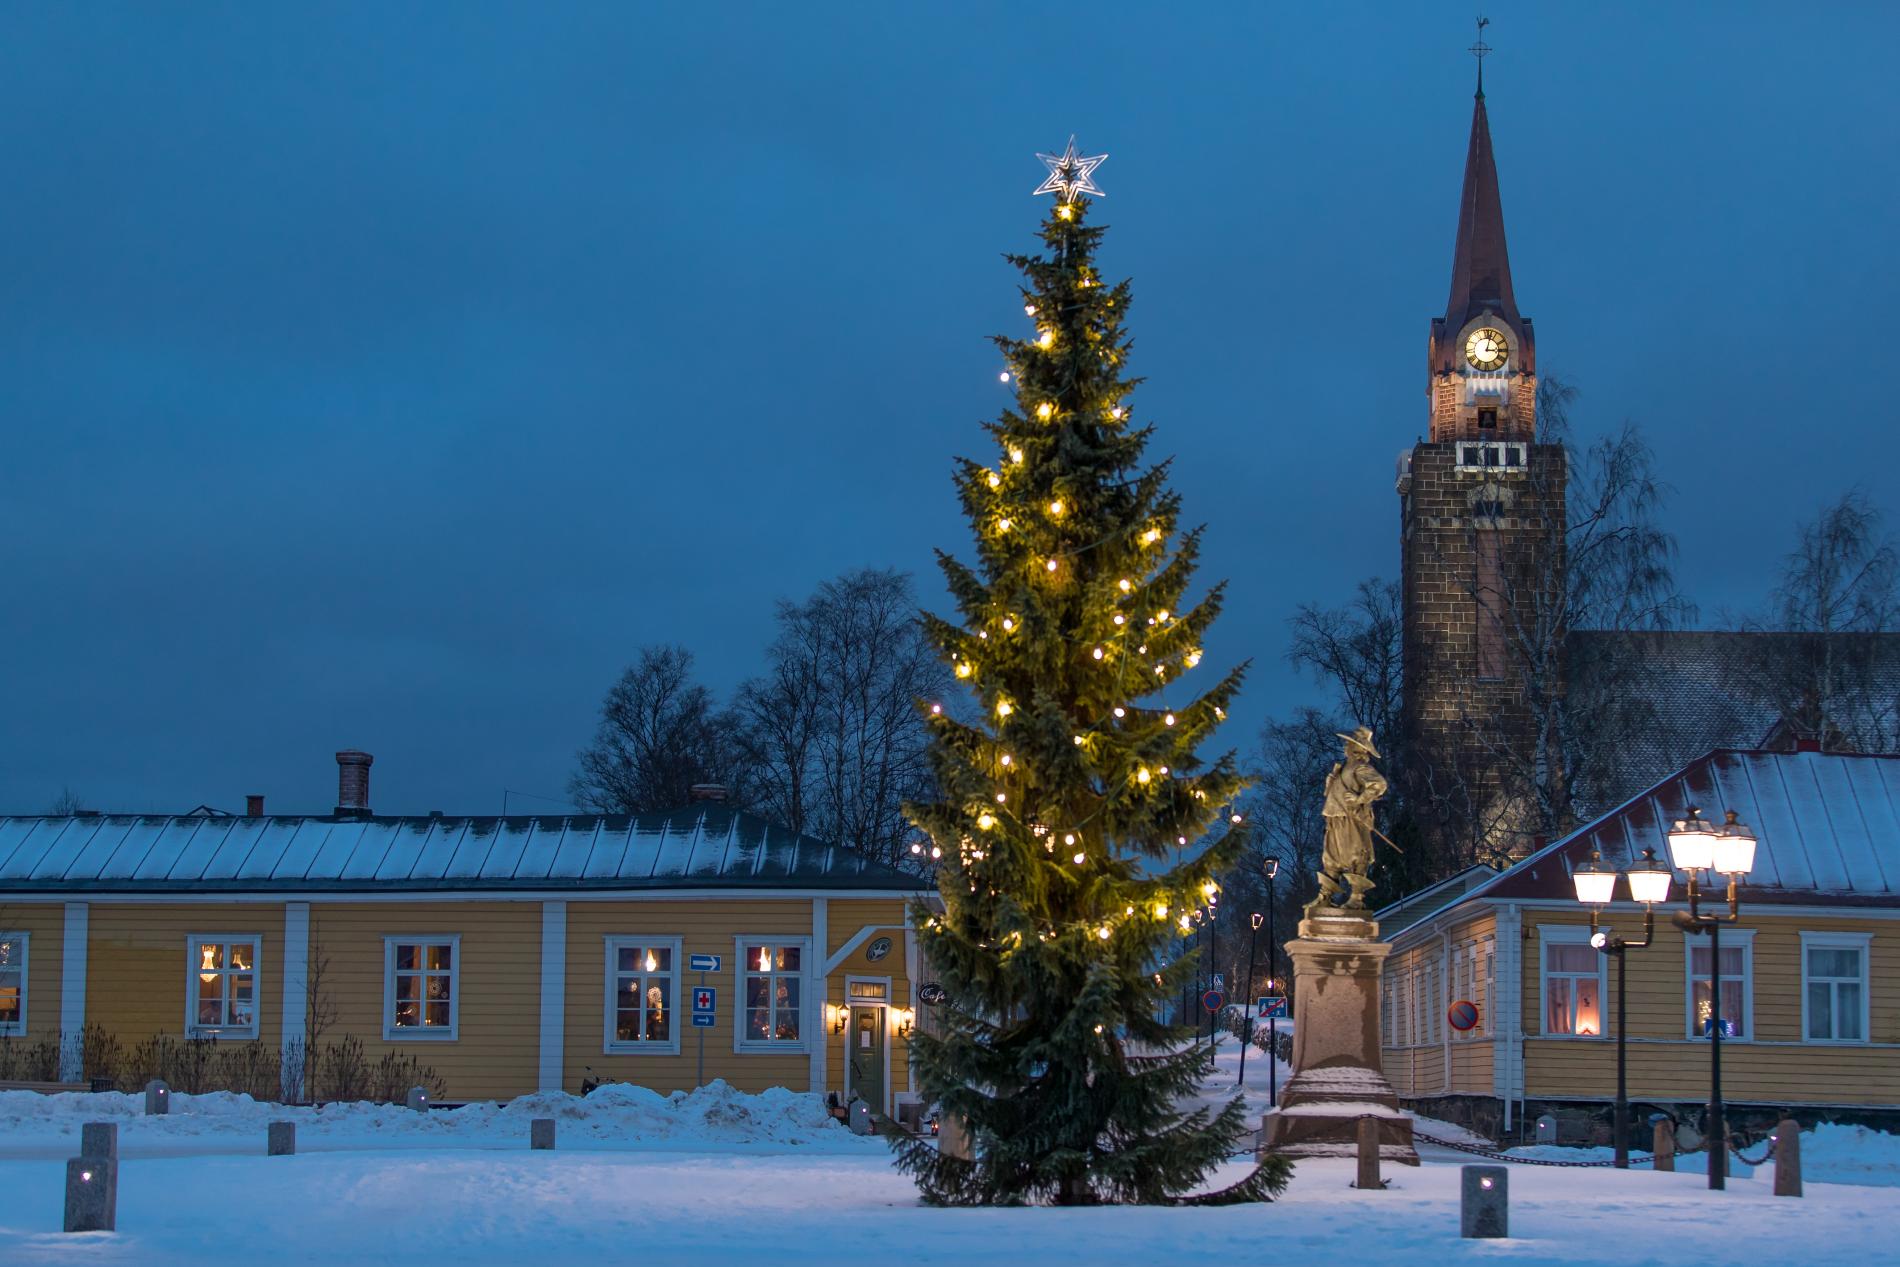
703,998
702,963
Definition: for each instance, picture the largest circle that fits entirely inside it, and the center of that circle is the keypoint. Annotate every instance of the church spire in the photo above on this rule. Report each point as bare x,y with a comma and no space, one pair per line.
1480,265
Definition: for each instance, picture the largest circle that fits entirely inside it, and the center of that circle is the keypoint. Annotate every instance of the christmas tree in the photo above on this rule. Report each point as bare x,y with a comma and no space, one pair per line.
1079,777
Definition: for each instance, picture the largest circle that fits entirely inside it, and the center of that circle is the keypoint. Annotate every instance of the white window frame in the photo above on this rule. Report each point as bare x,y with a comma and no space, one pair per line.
1864,943
612,1045
193,1029
740,1043
1730,936
1570,935
422,1033
1485,976
14,1029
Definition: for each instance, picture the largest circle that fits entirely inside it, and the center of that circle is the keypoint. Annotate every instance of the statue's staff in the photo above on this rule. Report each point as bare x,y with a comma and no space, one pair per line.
1387,839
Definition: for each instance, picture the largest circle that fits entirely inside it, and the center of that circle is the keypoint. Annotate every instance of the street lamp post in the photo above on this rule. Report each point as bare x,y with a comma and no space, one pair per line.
1649,884
1246,1004
1696,846
1272,868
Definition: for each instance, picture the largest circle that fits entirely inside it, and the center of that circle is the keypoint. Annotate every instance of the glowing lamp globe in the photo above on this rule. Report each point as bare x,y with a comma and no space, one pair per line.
1734,848
1692,842
1649,879
1595,885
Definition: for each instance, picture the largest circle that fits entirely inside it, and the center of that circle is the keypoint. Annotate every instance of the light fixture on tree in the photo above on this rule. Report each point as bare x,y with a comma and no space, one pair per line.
1070,174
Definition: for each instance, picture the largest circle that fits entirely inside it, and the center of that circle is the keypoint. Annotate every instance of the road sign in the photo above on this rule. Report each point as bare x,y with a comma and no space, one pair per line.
702,963
703,998
1462,1015
703,1020
1220,981
1213,1001
932,993
1271,1007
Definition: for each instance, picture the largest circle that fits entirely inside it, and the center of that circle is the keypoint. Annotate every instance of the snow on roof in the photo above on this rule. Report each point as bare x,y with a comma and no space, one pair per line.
706,846
1828,826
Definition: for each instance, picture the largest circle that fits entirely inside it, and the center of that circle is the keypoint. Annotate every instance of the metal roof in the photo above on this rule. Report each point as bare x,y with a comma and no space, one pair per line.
1828,826
705,846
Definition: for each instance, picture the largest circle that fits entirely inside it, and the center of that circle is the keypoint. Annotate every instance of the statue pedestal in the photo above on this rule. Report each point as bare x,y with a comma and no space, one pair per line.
1336,1069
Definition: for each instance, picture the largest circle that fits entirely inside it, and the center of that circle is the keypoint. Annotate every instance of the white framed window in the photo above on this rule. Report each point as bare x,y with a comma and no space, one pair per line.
12,984
1738,984
221,985
643,996
1572,982
421,998
769,1012
1834,1003
1487,975
1388,1035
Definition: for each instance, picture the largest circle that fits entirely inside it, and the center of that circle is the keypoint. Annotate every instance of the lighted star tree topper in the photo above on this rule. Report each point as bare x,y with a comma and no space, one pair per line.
1075,782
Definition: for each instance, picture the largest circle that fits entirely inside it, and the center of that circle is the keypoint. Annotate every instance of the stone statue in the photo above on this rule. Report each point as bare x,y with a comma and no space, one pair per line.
1351,789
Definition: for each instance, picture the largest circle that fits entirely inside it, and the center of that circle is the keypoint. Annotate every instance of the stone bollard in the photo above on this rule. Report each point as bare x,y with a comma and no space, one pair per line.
860,1118
953,1138
1788,1158
158,1098
417,1099
1485,1209
280,1139
92,1194
1665,1144
541,1133
99,1139
1368,1154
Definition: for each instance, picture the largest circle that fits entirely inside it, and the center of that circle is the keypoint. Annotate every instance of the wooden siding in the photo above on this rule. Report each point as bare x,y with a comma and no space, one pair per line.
1774,1066
1423,1056
44,923
136,964
704,927
496,1053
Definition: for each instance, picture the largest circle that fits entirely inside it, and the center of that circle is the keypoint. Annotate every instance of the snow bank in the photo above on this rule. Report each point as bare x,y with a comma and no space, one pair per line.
1829,1154
617,1115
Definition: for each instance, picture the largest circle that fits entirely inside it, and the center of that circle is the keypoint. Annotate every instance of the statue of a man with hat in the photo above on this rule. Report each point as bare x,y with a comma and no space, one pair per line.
1351,789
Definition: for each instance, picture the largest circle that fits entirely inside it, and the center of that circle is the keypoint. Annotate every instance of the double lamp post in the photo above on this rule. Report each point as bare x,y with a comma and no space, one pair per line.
1696,847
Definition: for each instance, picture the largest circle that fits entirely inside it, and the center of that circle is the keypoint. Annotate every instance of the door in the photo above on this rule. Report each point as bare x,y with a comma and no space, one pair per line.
865,1042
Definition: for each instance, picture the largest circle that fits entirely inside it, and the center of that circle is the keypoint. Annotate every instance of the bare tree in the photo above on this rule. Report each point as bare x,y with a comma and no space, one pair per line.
66,804
1828,663
831,730
659,734
1358,652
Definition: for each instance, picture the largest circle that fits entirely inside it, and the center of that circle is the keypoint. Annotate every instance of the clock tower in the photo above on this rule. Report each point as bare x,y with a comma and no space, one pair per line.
1481,509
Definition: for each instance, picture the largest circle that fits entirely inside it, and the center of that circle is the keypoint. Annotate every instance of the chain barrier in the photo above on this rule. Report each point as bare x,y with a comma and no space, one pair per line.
1495,1155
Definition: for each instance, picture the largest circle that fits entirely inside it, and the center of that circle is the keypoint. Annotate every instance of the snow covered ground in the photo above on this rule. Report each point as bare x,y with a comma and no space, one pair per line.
720,1177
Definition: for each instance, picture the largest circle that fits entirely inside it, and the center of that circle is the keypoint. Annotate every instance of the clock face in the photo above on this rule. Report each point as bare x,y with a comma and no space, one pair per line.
1486,349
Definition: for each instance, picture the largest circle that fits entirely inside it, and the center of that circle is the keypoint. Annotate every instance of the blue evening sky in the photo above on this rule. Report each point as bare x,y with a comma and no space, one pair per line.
384,375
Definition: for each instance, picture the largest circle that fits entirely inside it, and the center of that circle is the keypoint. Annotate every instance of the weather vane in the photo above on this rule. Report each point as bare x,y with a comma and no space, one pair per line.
1071,174
1479,49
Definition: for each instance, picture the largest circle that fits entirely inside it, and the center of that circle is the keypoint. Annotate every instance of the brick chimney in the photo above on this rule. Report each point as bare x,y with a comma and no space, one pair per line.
709,792
253,806
352,783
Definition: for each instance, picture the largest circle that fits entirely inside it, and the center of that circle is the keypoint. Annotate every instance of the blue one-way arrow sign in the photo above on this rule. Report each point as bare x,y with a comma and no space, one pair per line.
702,963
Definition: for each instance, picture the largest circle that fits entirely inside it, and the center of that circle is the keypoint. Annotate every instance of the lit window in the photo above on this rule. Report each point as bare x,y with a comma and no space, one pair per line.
419,991
221,986
1737,987
771,993
1834,987
642,994
12,983
1573,984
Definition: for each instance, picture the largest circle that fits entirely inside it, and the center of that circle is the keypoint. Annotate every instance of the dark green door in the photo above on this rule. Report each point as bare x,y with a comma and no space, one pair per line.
865,1039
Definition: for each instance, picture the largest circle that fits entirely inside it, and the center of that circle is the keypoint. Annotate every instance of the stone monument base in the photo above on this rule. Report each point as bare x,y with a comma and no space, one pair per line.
1337,1077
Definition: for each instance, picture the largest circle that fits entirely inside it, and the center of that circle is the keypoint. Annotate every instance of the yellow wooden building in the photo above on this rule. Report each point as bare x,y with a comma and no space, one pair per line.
508,955
1810,973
